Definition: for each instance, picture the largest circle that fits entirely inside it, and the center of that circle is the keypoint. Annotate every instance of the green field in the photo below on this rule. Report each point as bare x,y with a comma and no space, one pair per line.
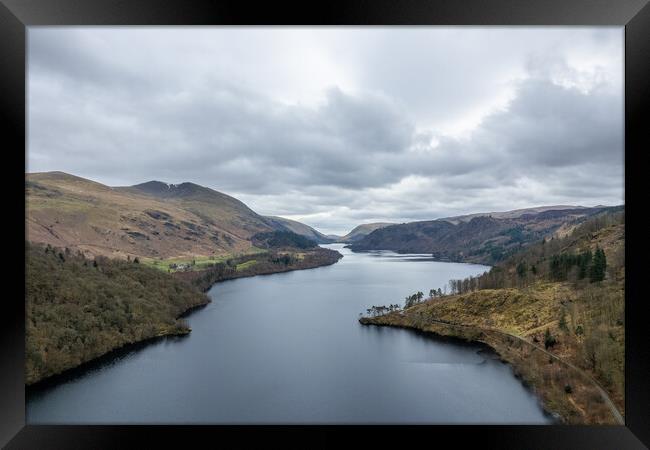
246,265
197,262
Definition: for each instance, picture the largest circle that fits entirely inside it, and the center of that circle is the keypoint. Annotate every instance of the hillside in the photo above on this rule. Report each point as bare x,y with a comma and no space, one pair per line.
153,220
554,310
361,231
78,309
280,223
282,240
477,238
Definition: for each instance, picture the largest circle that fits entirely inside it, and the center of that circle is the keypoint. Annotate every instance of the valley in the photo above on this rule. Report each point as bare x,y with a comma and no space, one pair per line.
108,267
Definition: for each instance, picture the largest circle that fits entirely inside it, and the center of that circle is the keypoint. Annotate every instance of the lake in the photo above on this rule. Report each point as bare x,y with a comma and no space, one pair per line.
287,348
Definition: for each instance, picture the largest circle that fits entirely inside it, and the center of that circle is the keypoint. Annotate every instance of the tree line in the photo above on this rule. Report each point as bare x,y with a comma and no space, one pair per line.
582,265
410,301
553,259
375,311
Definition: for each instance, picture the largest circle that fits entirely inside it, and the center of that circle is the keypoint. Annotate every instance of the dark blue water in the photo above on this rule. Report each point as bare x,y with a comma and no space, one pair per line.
287,348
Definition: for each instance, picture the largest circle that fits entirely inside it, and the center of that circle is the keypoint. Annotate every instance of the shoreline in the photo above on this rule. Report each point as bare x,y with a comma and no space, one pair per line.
555,417
526,364
284,270
321,258
113,353
481,262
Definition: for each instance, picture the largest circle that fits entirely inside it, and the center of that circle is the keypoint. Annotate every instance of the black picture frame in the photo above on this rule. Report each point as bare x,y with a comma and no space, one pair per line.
634,15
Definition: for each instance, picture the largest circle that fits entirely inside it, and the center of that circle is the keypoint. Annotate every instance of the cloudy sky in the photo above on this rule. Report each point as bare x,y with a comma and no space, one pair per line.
336,126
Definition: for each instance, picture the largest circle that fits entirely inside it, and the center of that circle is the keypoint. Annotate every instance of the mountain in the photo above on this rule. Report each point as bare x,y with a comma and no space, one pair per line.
479,238
360,231
280,223
213,207
153,219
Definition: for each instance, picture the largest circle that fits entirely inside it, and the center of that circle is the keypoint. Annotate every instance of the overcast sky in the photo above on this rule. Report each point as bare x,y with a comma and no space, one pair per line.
337,126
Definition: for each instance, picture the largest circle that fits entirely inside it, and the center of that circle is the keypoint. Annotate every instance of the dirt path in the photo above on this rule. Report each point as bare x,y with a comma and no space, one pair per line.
615,412
539,328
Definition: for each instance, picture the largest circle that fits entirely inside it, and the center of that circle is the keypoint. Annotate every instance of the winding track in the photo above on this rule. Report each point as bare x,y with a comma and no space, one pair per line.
615,412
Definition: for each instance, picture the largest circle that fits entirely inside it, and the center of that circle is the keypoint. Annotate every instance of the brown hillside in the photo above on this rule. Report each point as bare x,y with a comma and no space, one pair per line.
67,211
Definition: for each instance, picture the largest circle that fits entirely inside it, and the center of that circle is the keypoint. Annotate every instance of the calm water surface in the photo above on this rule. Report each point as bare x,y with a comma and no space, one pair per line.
287,348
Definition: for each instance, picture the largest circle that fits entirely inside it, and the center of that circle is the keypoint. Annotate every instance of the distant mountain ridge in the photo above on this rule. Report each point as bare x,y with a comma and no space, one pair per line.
515,213
161,220
280,223
479,238
152,219
362,230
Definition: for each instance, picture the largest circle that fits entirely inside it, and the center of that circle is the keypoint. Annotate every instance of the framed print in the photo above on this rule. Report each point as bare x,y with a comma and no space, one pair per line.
393,220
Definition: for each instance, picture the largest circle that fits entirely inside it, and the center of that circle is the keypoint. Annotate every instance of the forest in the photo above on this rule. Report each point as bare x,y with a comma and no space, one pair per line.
77,309
577,257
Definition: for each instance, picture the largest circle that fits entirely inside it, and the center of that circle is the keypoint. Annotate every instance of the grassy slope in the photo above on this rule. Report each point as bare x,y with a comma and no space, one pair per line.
590,336
77,312
196,262
68,211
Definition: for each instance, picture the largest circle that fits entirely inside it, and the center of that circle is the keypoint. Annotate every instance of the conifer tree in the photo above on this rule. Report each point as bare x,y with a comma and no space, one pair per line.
522,269
598,266
585,261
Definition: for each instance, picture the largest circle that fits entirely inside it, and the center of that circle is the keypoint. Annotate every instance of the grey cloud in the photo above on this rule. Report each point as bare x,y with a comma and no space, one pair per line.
357,155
